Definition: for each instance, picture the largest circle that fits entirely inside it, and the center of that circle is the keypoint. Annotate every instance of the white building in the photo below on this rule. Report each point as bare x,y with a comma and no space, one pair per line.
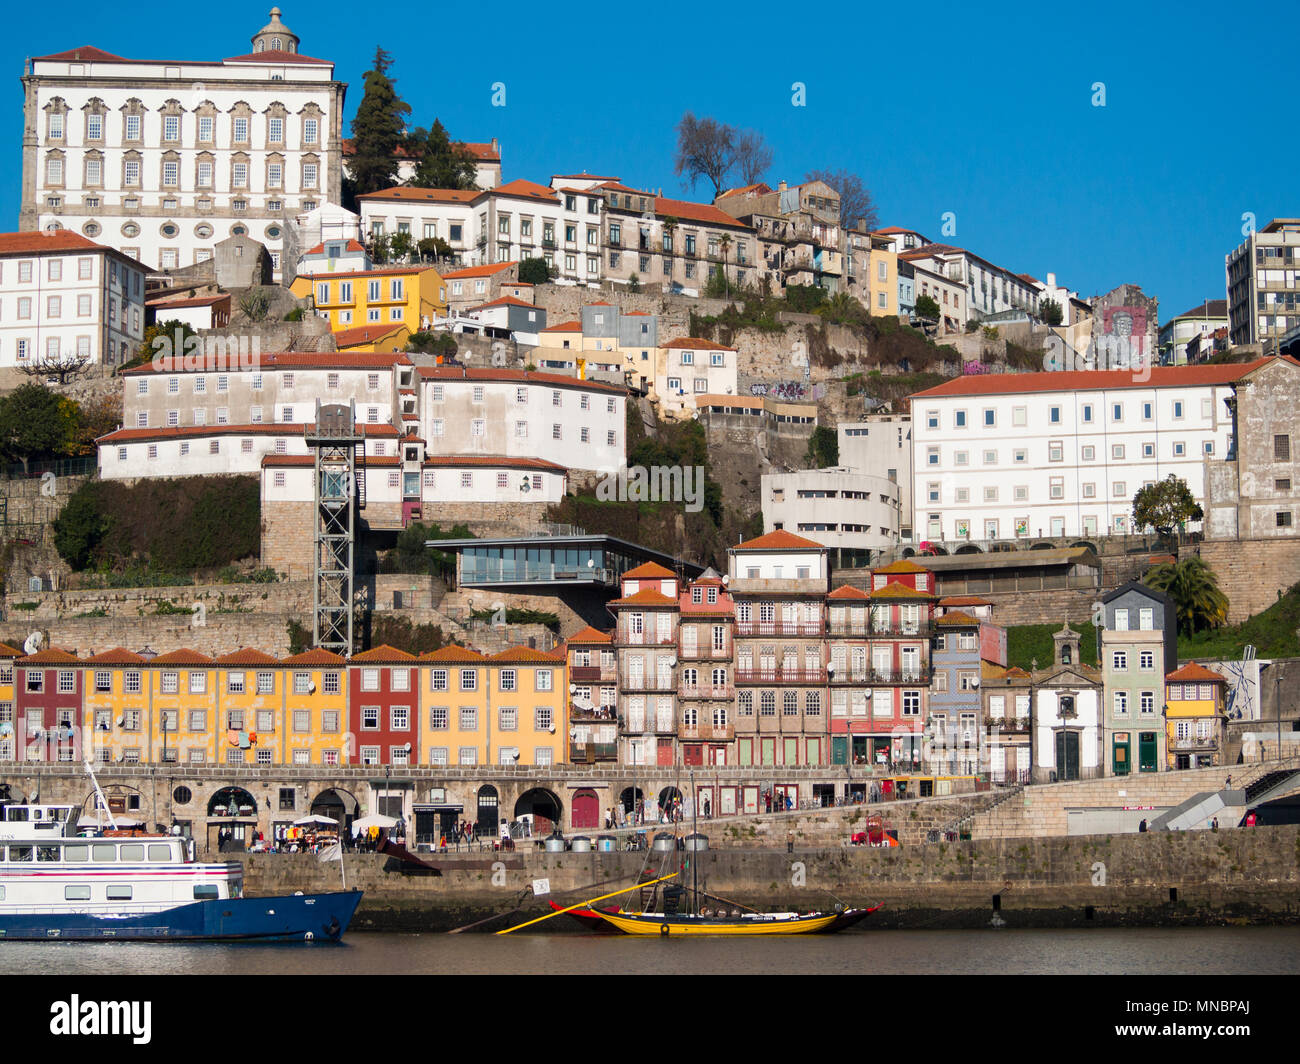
424,214
64,298
989,289
1017,456
1199,324
689,367
161,159
517,414
854,515
881,445
1264,284
214,450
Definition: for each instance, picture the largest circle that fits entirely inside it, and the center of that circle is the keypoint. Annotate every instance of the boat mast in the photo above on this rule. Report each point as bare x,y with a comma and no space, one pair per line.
103,802
695,834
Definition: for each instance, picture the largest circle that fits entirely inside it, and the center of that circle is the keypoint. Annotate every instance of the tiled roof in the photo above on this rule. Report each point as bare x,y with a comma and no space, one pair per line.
848,592
164,303
1211,308
964,600
382,655
319,249
648,570
901,566
454,652
1193,671
521,189
272,361
956,617
520,375
483,152
591,635
365,334
505,301
273,58
479,271
41,241
6,651
759,189
52,656
568,326
526,656
778,540
685,211
85,54
183,656
645,597
378,271
315,656
1092,380
896,589
407,194
248,656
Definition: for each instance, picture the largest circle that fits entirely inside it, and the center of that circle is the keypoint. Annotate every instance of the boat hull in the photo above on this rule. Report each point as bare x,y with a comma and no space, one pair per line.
759,924
588,918
283,918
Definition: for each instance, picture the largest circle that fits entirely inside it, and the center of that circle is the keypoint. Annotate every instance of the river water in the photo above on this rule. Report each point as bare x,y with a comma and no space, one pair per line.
1001,951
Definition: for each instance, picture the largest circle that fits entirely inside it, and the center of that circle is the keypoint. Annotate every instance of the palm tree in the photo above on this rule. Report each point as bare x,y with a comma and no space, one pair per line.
1192,585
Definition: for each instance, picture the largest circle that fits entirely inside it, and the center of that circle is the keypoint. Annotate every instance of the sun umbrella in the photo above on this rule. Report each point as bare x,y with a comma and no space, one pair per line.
313,820
375,820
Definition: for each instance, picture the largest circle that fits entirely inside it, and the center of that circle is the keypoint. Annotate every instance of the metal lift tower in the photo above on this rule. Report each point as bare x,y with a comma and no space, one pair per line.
340,493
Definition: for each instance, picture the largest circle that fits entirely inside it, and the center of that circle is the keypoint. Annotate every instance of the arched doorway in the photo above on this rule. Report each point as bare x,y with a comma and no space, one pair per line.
489,812
337,805
125,803
232,820
631,800
586,809
670,799
543,807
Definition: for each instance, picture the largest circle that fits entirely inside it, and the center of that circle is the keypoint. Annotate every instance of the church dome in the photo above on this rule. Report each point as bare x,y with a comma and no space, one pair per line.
275,36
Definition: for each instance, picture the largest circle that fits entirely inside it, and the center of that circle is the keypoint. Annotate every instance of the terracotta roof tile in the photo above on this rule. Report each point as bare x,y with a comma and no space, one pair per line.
183,656
1092,380
901,566
382,655
648,570
315,656
455,653
849,592
425,195
248,656
51,656
645,597
116,656
591,635
1193,671
956,617
778,540
478,271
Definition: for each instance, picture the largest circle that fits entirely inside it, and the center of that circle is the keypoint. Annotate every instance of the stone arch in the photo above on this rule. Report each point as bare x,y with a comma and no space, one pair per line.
231,831
337,803
1043,546
545,808
1086,543
124,801
969,548
488,813
584,809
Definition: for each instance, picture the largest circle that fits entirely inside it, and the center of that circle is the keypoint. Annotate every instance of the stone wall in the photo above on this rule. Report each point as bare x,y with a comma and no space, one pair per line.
219,633
1252,572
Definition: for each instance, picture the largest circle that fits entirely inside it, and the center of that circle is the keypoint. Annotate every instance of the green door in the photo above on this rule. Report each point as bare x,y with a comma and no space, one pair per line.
1067,755
1120,764
791,752
1147,751
839,749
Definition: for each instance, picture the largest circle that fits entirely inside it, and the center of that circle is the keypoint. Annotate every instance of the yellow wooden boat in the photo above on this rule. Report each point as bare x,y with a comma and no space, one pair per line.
668,925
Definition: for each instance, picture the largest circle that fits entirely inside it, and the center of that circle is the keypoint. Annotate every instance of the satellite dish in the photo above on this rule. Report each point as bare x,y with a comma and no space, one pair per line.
33,643
726,580
311,688
407,748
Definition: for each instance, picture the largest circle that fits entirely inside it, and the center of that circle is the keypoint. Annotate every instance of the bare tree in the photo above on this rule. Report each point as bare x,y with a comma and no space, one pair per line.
705,148
753,156
855,198
63,368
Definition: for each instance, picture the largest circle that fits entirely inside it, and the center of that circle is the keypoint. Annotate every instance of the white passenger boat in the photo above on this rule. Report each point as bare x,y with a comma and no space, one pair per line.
56,884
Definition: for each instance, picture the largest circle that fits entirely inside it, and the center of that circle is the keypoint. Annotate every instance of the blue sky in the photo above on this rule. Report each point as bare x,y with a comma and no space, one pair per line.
983,111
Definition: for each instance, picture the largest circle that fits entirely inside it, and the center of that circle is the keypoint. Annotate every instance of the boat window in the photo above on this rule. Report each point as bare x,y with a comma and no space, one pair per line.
47,853
132,851
205,893
160,851
76,852
2,893
20,853
76,894
16,813
118,893
104,851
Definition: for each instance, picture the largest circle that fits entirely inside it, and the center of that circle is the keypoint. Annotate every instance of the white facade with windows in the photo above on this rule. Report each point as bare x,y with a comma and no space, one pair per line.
162,159
64,298
690,367
513,413
848,512
1060,454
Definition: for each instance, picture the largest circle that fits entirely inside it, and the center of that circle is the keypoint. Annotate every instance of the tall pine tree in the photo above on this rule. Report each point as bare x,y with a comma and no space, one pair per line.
378,129
442,164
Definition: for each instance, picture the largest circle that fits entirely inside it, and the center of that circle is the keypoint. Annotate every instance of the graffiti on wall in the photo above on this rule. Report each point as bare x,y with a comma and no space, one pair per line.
1125,340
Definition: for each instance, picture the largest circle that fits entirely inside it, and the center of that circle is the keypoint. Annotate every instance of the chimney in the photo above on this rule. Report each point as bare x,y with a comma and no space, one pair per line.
781,187
1051,280
495,146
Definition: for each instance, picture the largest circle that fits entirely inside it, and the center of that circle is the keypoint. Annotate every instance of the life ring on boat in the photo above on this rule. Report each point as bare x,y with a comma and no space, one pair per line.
308,937
664,930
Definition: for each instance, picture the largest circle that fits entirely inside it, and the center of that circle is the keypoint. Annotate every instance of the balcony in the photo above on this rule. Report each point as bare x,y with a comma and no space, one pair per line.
647,639
848,630
592,673
710,653
754,585
706,732
591,753
705,690
893,630
780,676
589,713
1193,745
1008,725
899,676
809,630
663,684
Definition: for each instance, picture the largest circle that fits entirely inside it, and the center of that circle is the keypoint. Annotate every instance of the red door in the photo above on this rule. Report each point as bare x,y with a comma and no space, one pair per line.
665,752
586,809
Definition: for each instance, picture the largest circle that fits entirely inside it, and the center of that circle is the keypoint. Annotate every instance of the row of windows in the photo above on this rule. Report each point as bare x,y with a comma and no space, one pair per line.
1020,492
1056,453
256,383
507,718
205,172
255,417
437,394
988,416
169,682
170,128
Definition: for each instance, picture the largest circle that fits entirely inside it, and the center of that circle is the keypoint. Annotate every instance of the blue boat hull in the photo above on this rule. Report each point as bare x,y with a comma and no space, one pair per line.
283,918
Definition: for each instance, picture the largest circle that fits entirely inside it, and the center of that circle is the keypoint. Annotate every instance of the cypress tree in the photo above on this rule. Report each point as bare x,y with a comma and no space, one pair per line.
442,163
378,129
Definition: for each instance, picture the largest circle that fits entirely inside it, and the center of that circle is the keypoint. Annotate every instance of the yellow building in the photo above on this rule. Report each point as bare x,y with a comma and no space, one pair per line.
317,709
8,655
250,693
1194,717
507,709
405,295
184,700
118,723
881,286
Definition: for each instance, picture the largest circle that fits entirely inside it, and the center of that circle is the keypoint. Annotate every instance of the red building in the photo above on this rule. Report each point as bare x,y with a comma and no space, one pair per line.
48,700
383,708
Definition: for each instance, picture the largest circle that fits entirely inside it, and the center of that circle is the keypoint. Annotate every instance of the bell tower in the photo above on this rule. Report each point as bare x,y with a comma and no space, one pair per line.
1067,646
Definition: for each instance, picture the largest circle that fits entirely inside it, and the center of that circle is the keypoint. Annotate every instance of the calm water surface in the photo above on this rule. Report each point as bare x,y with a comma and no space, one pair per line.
1203,951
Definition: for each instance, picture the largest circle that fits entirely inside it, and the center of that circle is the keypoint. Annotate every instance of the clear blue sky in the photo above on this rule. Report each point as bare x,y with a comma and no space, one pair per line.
983,112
